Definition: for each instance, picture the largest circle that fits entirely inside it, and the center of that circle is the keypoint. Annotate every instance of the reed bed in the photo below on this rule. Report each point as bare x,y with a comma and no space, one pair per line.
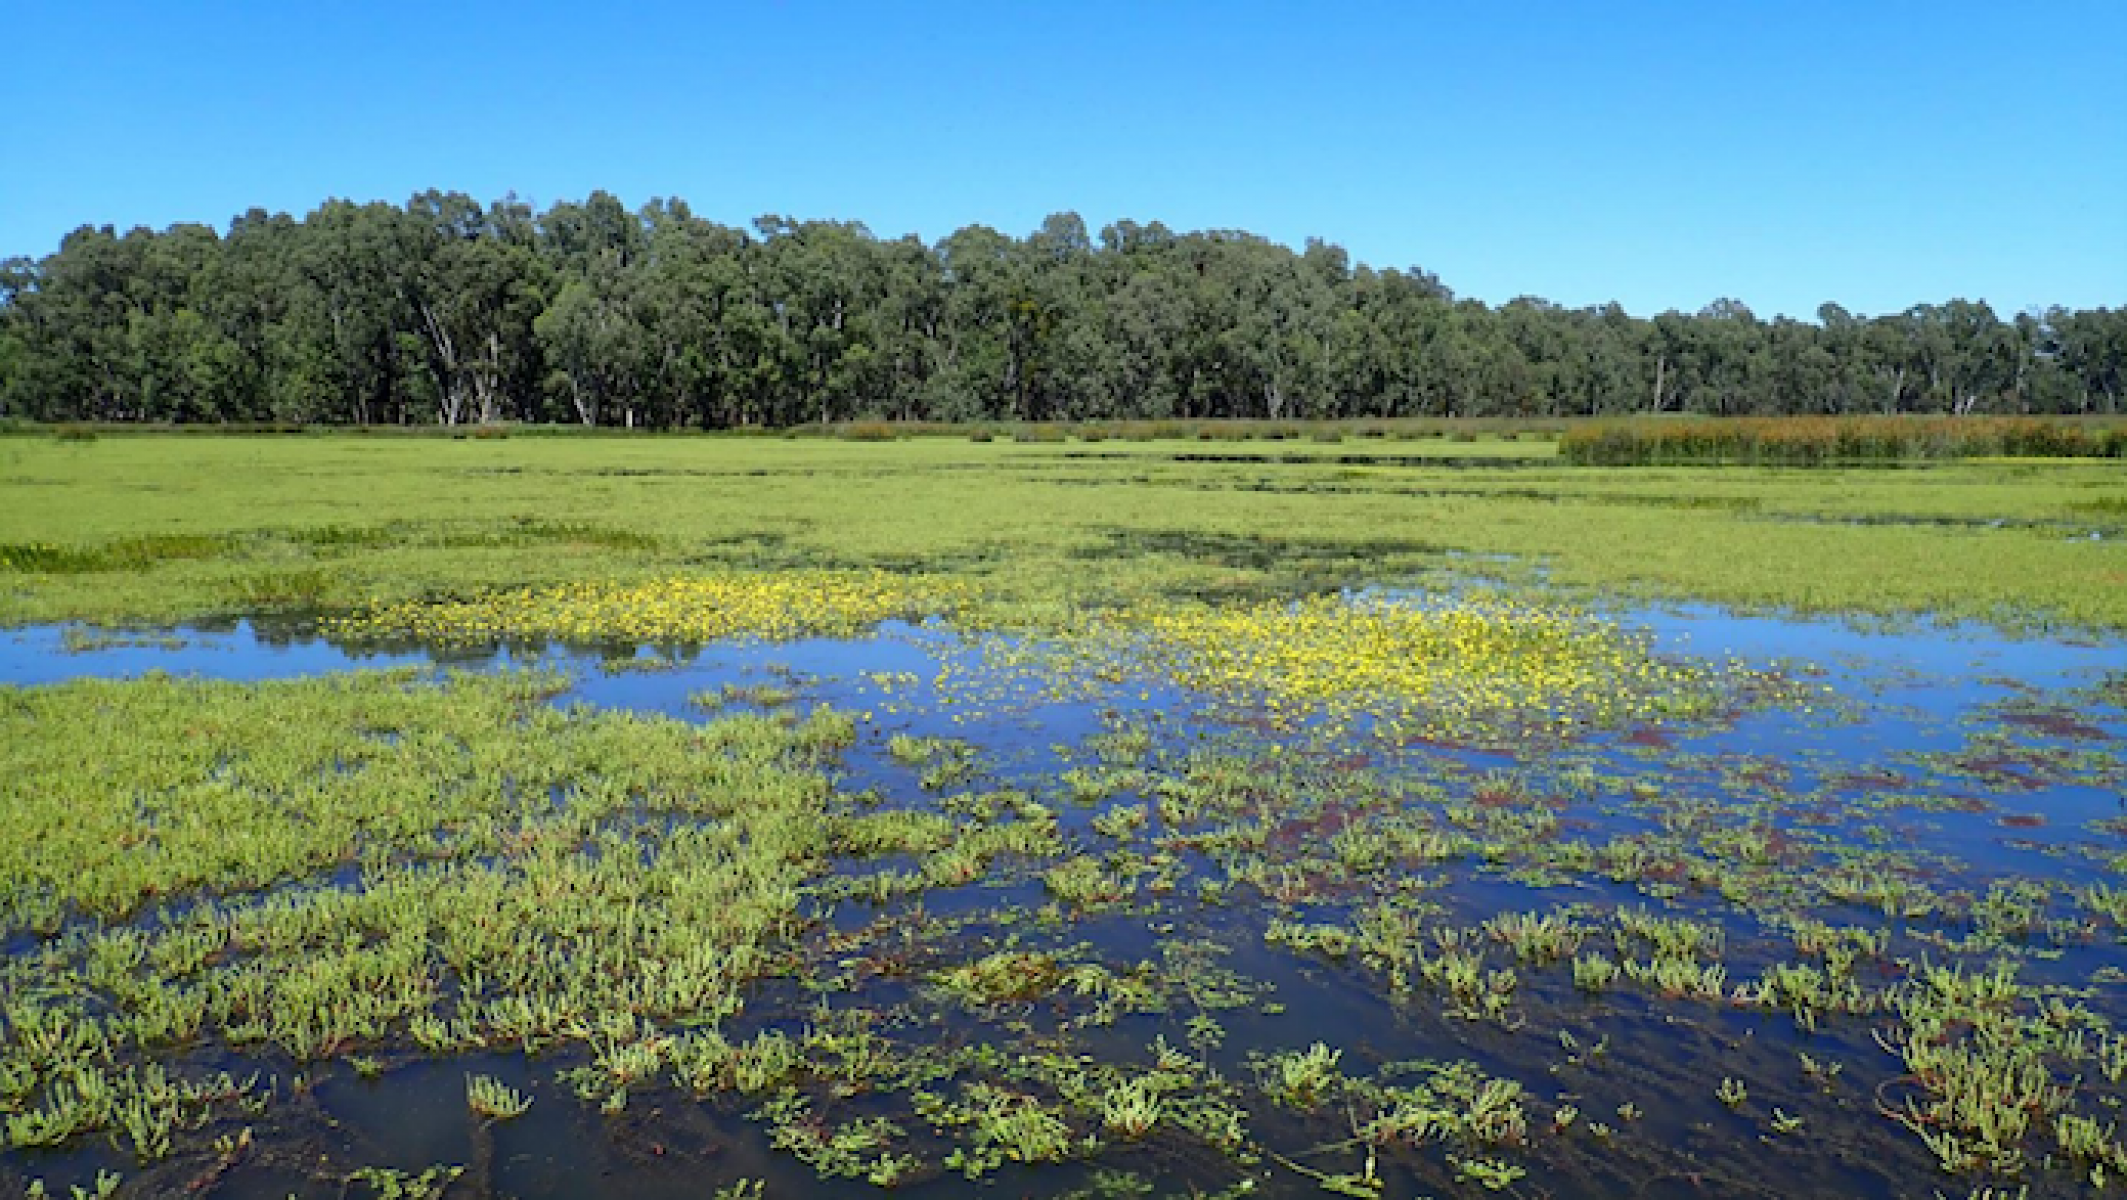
1829,441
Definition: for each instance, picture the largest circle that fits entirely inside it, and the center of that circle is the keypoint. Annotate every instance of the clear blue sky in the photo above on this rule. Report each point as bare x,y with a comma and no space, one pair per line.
1659,154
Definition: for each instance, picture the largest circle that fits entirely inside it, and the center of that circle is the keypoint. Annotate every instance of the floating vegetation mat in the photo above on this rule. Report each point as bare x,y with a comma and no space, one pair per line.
1475,668
1481,667
1361,896
1478,666
689,609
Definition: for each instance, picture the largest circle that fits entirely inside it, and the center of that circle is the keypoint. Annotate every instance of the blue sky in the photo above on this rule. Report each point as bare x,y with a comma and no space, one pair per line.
1658,154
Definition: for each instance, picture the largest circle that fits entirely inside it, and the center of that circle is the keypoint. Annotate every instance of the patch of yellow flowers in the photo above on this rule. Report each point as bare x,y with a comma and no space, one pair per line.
673,609
1479,667
1480,661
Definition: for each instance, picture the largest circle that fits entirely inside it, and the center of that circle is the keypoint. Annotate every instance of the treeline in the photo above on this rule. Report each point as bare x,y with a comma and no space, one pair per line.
445,311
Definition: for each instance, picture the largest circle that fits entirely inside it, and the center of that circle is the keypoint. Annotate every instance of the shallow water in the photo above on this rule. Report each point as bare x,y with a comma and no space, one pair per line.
1956,758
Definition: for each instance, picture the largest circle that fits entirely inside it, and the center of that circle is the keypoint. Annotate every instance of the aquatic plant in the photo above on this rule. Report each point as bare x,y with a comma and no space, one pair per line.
1131,1109
392,1184
1301,1079
1595,972
674,609
1003,976
1484,666
489,1097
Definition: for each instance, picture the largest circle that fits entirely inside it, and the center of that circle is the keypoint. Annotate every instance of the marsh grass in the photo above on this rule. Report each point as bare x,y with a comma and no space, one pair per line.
1027,526
1819,441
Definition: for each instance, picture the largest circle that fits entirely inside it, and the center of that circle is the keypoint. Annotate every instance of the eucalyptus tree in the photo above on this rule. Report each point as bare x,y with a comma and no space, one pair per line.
475,291
444,311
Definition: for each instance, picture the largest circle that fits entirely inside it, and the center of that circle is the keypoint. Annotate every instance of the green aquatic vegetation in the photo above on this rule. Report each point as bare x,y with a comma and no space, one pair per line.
1873,886
2112,1057
1123,742
640,665
1490,1174
1839,945
851,1058
1460,971
389,1183
624,1053
1986,1064
702,1061
1667,937
1083,881
857,1149
1172,1093
1482,668
1197,968
1007,975
915,751
2106,901
1083,785
106,1185
547,920
1416,1102
1302,1079
1410,1104
1333,941
944,762
2010,911
2097,1148
493,1099
1806,991
1537,939
1595,972
1732,1093
143,1106
749,695
1001,1125
1679,977
197,789
76,640
1116,994
1120,822
1130,1110
893,831
1361,849
764,1063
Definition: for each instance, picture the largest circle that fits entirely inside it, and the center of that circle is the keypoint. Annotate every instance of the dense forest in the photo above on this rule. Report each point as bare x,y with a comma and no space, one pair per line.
445,311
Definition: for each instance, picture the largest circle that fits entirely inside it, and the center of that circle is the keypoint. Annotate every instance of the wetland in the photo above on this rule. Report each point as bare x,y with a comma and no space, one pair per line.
738,817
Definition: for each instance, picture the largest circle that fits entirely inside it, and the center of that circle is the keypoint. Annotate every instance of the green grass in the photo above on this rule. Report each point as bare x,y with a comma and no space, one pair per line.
159,529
